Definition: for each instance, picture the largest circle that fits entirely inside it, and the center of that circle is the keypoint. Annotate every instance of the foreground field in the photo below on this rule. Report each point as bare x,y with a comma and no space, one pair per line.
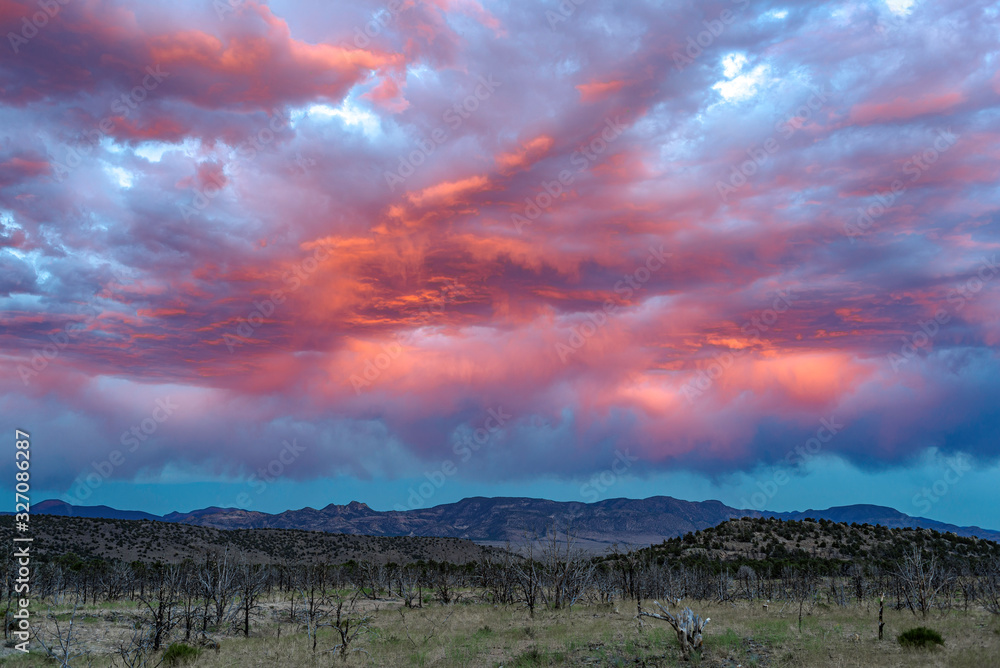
475,634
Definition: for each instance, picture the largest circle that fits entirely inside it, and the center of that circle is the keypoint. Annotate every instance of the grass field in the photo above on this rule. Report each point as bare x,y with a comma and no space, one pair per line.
476,634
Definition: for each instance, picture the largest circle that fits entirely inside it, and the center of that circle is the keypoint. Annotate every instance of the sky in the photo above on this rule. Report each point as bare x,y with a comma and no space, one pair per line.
286,254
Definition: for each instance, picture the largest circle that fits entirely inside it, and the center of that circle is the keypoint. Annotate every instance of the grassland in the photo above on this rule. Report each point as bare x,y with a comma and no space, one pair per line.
476,634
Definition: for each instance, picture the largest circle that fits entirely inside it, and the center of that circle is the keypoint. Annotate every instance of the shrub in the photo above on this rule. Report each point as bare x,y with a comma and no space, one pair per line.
920,637
179,654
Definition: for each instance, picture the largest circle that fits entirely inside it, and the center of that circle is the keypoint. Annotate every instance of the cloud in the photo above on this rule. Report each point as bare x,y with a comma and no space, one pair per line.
232,241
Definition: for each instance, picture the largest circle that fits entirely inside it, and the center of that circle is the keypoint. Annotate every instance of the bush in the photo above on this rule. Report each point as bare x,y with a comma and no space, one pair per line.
179,654
920,637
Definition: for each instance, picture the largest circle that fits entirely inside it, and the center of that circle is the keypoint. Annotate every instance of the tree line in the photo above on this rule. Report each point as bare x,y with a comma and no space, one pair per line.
198,602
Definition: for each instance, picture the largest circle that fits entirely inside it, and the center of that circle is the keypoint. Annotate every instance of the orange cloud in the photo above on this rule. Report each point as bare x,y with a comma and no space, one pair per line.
449,191
525,155
598,90
902,108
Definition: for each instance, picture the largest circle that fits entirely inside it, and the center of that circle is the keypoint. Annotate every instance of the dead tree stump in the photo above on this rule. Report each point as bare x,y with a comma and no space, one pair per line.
687,625
881,606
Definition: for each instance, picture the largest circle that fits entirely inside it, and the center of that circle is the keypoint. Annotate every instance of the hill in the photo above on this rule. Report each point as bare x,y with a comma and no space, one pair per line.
496,521
144,540
769,545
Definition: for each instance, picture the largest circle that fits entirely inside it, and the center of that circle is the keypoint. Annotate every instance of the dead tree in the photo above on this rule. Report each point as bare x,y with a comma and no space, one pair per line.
349,623
191,604
446,582
803,589
136,649
922,580
159,602
60,644
529,581
408,584
116,580
627,571
370,579
881,608
747,577
859,582
312,587
250,583
989,586
567,570
427,636
687,625
723,586
217,580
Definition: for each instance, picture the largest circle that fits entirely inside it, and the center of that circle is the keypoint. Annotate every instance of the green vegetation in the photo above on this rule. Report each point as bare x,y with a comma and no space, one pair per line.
179,654
769,546
778,594
920,637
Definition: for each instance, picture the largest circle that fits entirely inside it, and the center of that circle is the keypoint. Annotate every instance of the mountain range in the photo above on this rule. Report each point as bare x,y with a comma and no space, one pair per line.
496,521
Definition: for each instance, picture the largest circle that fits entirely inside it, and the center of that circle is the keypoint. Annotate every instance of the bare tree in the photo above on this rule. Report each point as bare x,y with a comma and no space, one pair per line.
801,584
567,570
528,577
990,586
349,622
116,579
747,577
447,582
251,580
312,587
60,642
136,649
159,601
922,580
627,563
409,586
191,603
723,586
217,584
427,636
370,579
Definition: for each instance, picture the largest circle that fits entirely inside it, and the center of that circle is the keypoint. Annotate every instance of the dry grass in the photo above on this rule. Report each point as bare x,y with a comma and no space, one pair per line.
607,635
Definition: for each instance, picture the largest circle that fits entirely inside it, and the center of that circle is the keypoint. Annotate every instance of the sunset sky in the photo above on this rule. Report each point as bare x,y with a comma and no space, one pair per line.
737,250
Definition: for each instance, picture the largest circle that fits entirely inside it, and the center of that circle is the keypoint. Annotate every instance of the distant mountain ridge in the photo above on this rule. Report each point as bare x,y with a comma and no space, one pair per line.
495,521
54,507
